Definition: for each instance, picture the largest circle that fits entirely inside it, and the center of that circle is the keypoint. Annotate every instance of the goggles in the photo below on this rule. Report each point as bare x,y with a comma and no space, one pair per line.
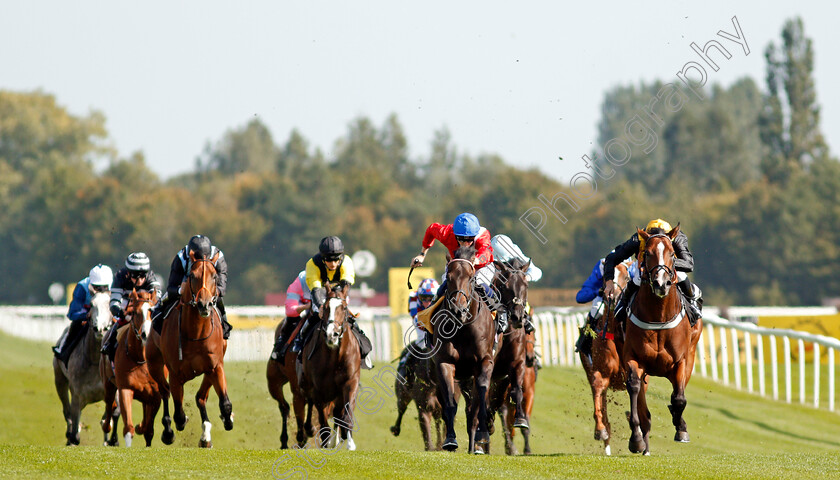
464,239
426,298
99,288
332,258
136,274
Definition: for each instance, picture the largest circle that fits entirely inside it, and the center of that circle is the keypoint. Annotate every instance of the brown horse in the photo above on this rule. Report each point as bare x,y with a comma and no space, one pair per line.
424,391
130,373
529,381
78,383
463,351
511,285
604,367
329,372
191,344
659,340
278,375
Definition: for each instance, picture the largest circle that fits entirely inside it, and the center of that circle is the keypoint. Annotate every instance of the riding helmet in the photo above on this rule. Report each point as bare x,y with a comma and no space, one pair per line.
137,262
101,275
201,246
466,225
331,247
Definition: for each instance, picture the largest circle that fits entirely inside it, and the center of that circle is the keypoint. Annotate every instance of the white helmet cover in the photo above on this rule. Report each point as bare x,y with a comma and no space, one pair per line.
101,275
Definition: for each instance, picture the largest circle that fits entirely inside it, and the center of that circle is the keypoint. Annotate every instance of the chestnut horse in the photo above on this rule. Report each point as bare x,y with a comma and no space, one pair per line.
329,373
278,375
191,344
78,383
529,381
659,339
604,367
463,350
130,373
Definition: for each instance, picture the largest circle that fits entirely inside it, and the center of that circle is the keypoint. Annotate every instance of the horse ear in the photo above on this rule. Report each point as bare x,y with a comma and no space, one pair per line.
499,265
642,234
192,256
345,290
215,257
526,266
674,232
133,294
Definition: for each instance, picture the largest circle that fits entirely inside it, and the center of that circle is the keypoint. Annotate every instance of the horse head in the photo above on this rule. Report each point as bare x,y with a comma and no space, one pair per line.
658,259
511,283
100,315
460,284
201,290
334,313
138,312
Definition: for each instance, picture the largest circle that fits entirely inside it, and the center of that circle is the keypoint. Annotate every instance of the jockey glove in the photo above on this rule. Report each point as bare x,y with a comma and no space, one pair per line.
117,312
319,297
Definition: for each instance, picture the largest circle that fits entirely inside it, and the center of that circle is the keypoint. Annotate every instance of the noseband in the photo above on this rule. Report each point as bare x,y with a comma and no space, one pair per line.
648,276
326,321
194,301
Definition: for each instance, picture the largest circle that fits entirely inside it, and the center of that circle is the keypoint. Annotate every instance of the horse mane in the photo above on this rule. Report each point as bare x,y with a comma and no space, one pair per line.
465,253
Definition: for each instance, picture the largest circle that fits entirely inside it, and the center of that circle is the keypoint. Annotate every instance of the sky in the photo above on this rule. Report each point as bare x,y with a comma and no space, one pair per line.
523,81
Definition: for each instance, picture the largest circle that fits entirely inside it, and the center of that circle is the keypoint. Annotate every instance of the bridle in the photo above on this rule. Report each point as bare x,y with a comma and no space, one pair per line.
454,293
515,301
194,300
326,322
648,275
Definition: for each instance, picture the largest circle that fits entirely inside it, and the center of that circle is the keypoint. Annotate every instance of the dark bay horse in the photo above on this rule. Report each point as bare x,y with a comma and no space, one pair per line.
191,344
511,285
78,383
463,343
130,375
604,367
424,391
278,375
529,384
329,372
659,340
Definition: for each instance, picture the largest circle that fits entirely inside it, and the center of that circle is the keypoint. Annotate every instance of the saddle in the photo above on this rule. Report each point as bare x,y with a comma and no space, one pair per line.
425,317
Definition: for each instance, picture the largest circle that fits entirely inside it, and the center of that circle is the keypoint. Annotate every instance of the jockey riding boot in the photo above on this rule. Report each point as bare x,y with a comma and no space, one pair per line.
70,341
297,345
529,326
319,297
109,343
692,294
281,344
501,320
162,309
402,368
226,327
623,307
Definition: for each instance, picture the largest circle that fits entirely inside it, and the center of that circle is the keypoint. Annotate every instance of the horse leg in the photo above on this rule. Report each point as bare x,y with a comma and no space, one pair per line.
158,373
283,405
348,406
325,432
521,419
299,405
678,403
634,386
644,417
73,424
403,399
506,415
225,407
201,402
180,417
605,418
62,388
446,384
126,397
482,385
105,423
150,410
310,429
599,392
424,418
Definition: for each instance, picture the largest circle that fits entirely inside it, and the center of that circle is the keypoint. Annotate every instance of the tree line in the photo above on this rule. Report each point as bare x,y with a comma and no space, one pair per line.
746,172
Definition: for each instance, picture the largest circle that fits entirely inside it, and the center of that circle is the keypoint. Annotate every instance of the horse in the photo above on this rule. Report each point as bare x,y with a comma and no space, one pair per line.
424,391
78,383
659,341
278,375
511,284
329,371
191,344
130,373
463,350
604,366
529,381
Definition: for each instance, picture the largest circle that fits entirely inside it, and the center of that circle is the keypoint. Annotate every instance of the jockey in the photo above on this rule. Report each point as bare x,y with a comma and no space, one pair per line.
683,264
201,248
463,232
298,303
136,275
504,250
328,265
418,301
98,280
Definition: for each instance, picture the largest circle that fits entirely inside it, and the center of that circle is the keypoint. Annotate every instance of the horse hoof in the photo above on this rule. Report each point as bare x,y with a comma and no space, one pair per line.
636,447
450,444
521,423
205,444
180,425
602,434
607,451
229,424
395,431
681,437
167,437
478,450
